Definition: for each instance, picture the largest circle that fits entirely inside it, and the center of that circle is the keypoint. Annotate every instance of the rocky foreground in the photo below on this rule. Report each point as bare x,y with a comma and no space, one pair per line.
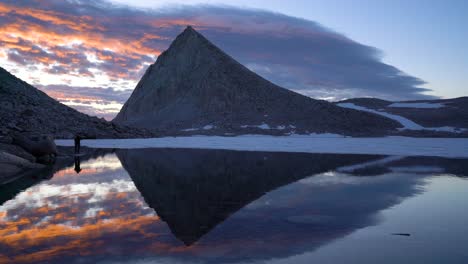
21,156
30,121
37,158
15,163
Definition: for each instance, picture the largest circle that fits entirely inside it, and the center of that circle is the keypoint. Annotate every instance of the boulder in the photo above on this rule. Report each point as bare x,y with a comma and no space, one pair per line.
12,166
46,159
6,139
44,145
17,151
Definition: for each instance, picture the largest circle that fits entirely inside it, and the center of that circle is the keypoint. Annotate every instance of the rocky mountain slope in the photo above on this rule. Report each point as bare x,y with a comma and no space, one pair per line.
195,88
26,110
444,117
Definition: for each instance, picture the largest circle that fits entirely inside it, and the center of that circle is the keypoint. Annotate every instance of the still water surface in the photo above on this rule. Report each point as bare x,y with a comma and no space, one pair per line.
216,206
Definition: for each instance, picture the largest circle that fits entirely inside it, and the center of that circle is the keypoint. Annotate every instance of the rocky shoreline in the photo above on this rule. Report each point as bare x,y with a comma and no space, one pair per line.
20,156
26,161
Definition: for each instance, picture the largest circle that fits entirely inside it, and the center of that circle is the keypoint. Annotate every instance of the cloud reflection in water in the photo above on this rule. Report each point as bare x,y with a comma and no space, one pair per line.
210,205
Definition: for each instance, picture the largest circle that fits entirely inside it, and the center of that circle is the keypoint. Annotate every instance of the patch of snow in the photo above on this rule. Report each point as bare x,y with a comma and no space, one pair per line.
325,135
190,129
447,129
405,122
417,105
266,126
207,127
262,126
401,146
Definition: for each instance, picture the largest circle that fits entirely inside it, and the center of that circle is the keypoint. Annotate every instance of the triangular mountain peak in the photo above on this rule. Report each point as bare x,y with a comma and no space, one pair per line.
195,87
189,35
190,48
189,30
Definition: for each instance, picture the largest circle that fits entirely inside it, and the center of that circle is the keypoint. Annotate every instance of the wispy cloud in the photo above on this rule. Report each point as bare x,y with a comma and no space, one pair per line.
97,41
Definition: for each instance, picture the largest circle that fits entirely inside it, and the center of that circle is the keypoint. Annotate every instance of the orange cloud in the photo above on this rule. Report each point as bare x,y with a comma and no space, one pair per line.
70,172
48,233
63,239
62,97
20,34
77,23
44,36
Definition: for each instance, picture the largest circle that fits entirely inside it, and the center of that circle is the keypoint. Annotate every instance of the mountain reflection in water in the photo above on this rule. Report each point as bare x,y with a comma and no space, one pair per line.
214,206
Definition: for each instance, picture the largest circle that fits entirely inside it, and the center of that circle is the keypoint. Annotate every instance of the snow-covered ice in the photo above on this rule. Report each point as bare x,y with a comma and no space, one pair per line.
418,105
401,146
190,129
405,122
207,127
264,126
261,126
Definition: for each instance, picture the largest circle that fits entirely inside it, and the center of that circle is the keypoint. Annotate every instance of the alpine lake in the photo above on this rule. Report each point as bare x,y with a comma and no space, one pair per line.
219,206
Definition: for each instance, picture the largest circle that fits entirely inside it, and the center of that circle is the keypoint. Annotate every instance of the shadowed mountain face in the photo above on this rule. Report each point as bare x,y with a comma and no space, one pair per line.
194,190
195,86
25,109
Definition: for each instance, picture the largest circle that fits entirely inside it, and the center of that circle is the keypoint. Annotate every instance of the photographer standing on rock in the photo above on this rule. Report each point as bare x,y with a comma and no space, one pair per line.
77,144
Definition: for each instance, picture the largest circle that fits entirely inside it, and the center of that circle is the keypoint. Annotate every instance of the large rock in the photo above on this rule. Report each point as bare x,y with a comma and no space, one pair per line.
42,146
12,166
194,87
17,151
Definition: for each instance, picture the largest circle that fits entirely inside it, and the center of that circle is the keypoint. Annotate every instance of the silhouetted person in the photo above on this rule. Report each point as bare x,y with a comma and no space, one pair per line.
77,144
77,164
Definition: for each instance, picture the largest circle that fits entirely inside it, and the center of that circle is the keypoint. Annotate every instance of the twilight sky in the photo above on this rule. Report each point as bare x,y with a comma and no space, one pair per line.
91,54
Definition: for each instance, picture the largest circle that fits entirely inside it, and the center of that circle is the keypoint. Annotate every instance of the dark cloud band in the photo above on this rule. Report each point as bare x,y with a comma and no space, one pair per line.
82,38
